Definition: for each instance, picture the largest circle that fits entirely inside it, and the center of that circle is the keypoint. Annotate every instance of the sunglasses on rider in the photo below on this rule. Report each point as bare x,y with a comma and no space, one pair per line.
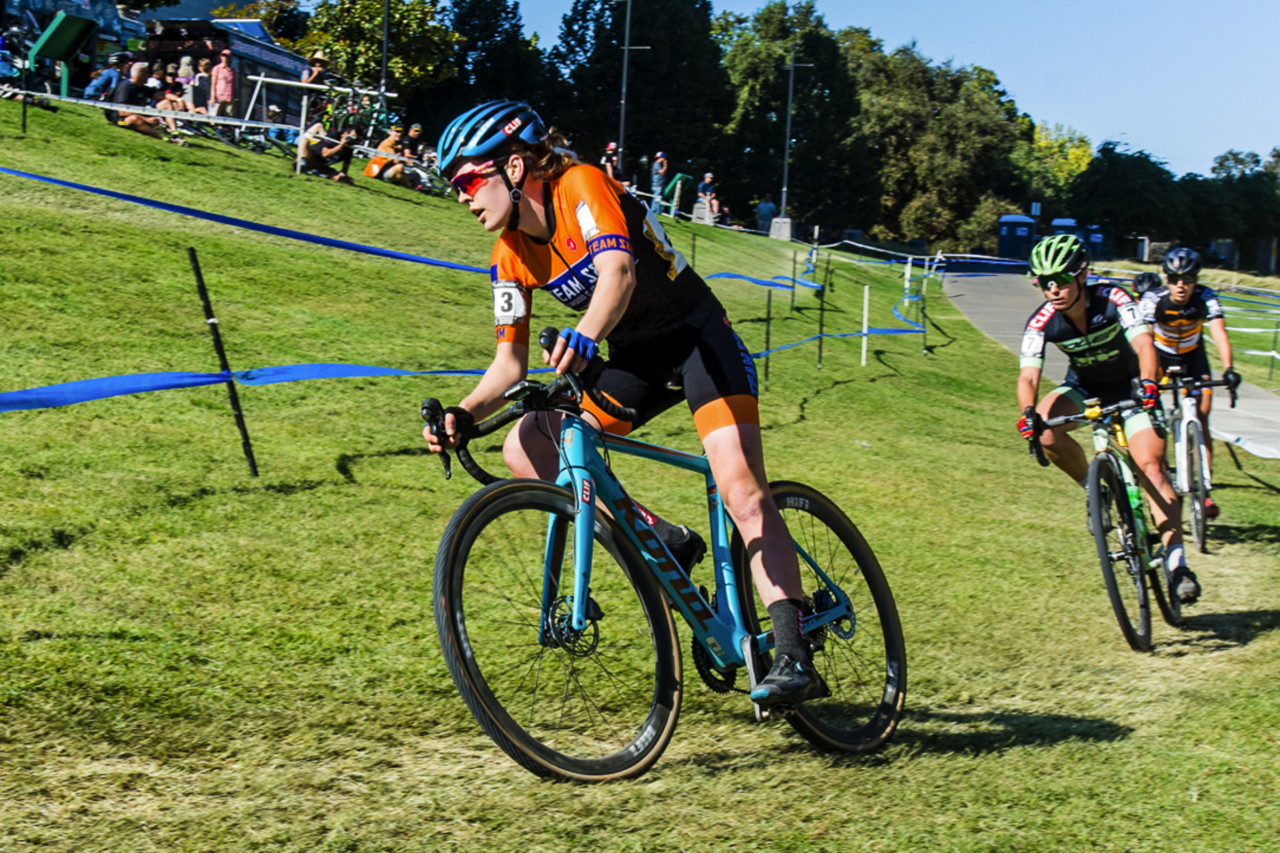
1062,279
468,182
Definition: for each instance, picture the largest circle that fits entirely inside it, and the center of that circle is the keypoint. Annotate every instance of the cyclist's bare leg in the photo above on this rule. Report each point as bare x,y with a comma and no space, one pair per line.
531,448
1147,450
737,462
1061,449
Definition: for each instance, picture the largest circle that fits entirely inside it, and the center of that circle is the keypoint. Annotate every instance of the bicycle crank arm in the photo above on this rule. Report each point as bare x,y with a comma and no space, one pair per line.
754,676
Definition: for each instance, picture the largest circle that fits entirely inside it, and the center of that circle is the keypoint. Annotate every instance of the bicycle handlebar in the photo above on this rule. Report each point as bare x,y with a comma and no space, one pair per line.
565,392
1175,381
1035,449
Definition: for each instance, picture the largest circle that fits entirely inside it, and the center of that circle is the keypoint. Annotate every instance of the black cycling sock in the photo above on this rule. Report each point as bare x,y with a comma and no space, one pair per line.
787,639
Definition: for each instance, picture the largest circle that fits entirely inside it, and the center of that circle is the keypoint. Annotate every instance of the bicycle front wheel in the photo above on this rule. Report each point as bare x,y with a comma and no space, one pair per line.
1119,552
589,705
862,659
1196,488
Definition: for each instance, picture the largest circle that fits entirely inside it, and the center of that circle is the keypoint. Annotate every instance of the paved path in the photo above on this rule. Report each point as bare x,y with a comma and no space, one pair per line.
999,305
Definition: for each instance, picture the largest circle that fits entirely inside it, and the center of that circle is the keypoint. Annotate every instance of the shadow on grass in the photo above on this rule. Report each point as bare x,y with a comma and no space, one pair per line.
1212,632
1235,534
493,453
930,730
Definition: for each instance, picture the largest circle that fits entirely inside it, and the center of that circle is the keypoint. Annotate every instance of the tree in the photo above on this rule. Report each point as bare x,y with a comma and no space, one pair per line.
493,61
350,32
677,91
1128,193
1049,160
826,179
283,19
1234,164
942,139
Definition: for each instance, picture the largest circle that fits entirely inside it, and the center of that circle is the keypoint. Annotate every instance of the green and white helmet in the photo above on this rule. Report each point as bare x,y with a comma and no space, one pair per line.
1061,253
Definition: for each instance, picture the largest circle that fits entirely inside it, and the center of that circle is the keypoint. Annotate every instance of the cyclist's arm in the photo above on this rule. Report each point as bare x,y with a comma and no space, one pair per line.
1148,361
510,365
608,303
1218,331
1028,387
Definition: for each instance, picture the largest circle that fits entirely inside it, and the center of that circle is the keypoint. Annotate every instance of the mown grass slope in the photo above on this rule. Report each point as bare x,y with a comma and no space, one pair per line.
193,659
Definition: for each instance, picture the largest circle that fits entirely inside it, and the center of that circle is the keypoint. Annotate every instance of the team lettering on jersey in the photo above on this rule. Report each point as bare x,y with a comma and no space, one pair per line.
1179,328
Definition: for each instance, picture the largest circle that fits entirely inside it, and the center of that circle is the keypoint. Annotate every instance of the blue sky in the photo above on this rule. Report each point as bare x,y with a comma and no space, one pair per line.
1184,80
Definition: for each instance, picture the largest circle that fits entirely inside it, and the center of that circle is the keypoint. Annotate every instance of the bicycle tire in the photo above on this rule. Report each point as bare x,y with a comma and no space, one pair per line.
563,706
1115,535
867,672
1195,486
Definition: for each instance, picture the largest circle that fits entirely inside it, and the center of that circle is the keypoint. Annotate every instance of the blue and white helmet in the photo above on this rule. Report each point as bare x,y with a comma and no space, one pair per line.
487,129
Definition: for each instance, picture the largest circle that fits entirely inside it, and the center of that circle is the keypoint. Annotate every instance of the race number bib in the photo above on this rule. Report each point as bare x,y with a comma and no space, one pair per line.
510,303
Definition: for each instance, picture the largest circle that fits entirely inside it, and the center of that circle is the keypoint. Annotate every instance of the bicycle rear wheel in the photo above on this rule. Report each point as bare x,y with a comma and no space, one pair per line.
1196,488
863,659
1120,554
589,705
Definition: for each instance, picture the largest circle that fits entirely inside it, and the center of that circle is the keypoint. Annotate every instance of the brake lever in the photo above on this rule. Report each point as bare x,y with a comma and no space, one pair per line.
433,415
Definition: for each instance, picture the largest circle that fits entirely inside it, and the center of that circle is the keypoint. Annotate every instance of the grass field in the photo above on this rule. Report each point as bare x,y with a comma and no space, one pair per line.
193,659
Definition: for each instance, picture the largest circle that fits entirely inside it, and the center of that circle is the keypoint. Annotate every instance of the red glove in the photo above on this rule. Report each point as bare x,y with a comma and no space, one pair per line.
1150,394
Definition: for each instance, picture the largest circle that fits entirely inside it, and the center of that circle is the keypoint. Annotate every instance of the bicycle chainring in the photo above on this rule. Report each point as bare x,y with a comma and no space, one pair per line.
719,682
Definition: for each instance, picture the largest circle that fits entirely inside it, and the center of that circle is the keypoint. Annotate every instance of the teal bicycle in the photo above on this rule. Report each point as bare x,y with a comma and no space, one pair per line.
556,620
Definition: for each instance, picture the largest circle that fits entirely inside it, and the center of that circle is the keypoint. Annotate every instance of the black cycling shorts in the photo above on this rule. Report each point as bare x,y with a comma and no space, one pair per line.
702,361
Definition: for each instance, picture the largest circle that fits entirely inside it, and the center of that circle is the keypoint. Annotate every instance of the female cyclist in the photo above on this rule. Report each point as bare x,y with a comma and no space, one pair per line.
569,229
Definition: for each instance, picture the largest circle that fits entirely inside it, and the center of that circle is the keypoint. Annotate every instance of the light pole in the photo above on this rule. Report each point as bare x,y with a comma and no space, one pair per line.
786,157
626,55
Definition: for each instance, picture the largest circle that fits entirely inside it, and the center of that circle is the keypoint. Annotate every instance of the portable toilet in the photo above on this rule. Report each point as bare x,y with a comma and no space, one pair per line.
1016,236
1093,238
1064,225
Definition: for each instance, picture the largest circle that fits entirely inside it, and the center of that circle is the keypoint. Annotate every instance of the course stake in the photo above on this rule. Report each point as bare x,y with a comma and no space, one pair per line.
212,322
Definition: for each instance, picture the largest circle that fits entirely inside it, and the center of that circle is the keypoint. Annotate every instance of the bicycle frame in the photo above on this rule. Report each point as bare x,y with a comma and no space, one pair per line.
720,629
1109,435
1187,413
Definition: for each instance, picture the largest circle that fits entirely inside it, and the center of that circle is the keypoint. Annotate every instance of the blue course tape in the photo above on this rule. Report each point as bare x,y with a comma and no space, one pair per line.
251,226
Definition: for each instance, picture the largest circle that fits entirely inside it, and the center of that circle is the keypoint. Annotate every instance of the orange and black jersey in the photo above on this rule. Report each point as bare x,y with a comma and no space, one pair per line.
1179,328
590,213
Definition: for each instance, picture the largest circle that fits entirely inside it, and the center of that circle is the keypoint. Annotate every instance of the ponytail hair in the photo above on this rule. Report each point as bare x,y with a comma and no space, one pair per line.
548,158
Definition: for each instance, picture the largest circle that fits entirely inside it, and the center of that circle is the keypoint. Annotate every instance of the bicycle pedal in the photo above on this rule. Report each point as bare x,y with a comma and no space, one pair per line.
754,676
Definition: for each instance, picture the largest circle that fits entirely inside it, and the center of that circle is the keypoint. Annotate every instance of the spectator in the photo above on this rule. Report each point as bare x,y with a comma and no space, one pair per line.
166,93
609,162
132,92
765,212
413,145
284,134
321,153
186,72
318,72
707,194
195,96
109,77
659,180
223,79
386,168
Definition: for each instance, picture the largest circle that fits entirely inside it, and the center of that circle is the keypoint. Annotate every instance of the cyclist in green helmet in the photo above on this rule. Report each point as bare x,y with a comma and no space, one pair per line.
1110,348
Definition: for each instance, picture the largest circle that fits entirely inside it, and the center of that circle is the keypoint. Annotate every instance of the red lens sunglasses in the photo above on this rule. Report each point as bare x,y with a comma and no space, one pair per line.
468,182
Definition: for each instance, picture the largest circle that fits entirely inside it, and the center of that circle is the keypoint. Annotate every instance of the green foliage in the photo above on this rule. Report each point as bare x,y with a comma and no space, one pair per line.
420,51
1049,161
286,22
493,60
677,92
1128,192
1236,164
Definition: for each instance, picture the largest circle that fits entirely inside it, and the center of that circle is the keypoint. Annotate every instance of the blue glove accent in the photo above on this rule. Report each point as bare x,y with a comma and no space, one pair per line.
579,343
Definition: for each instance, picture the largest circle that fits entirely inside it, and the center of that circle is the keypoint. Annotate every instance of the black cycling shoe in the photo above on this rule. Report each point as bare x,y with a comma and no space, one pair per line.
789,682
688,548
1184,585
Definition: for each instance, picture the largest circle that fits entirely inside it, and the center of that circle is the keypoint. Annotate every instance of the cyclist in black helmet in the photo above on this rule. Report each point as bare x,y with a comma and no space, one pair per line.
1145,281
568,231
1178,312
1101,331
